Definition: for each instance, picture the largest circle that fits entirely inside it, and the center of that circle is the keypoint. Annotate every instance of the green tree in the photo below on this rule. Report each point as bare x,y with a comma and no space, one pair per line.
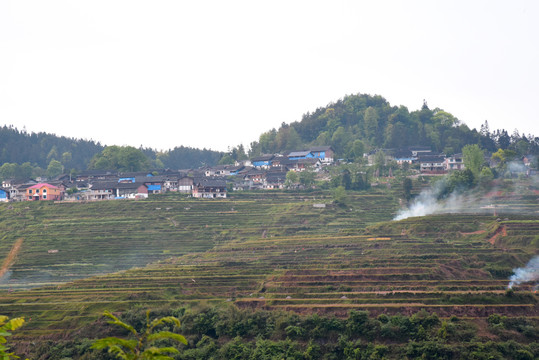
54,169
379,160
371,119
472,156
486,176
66,159
121,158
407,188
339,140
292,178
306,178
357,150
339,196
142,347
226,160
8,171
6,326
346,179
53,154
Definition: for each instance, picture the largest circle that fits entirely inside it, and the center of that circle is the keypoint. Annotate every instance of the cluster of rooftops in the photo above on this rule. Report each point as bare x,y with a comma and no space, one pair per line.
268,171
262,172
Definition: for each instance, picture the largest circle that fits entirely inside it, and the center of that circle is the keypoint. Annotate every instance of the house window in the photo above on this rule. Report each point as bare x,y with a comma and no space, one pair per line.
37,191
44,191
29,191
44,196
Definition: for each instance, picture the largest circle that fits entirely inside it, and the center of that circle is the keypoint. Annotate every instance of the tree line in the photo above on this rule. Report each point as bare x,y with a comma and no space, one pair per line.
361,122
25,155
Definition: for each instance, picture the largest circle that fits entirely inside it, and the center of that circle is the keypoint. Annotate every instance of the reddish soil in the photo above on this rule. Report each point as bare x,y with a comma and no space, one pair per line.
501,231
473,232
10,259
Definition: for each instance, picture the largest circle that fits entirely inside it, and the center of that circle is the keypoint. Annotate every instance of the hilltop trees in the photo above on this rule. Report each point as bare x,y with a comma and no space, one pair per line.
125,158
372,122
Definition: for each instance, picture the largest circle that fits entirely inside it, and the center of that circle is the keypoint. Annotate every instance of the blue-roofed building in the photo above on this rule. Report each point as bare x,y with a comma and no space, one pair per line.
324,153
297,155
126,180
263,161
154,189
4,196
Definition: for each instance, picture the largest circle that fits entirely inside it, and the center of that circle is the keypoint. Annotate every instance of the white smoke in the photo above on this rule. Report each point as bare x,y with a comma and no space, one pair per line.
515,168
530,273
427,203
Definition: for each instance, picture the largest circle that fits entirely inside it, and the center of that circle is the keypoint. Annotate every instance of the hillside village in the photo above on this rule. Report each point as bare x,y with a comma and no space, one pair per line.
264,172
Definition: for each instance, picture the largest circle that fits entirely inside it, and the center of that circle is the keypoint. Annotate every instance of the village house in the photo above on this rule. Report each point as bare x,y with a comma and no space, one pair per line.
304,164
4,196
432,164
274,180
454,162
254,176
115,190
303,154
96,175
418,151
326,154
404,156
44,191
98,191
209,189
131,191
262,162
185,185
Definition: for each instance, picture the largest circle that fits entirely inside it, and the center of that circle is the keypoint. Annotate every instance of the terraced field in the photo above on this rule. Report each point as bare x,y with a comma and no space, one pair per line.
67,241
275,252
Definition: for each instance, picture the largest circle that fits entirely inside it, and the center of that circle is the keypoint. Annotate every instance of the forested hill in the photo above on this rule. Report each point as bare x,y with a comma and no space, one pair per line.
38,150
361,122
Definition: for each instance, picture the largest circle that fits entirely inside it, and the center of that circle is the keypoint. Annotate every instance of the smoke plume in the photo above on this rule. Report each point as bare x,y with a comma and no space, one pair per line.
530,273
428,202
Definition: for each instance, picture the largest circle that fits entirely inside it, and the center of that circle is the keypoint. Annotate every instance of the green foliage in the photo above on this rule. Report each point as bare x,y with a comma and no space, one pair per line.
339,196
143,346
18,172
486,176
407,188
472,155
371,121
54,169
121,158
306,178
6,326
292,178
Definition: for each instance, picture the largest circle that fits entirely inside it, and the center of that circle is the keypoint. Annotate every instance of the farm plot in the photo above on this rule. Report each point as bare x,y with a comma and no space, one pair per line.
282,253
64,242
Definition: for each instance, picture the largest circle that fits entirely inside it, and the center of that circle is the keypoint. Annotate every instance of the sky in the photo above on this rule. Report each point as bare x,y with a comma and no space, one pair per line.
216,74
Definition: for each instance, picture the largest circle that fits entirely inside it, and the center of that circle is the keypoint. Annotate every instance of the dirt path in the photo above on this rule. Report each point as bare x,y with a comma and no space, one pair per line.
10,259
473,232
500,231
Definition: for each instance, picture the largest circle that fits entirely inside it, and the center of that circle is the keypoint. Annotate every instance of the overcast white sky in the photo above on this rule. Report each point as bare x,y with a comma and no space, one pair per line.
219,73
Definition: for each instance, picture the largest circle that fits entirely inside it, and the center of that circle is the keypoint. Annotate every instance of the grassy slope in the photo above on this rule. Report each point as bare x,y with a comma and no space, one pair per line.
273,252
